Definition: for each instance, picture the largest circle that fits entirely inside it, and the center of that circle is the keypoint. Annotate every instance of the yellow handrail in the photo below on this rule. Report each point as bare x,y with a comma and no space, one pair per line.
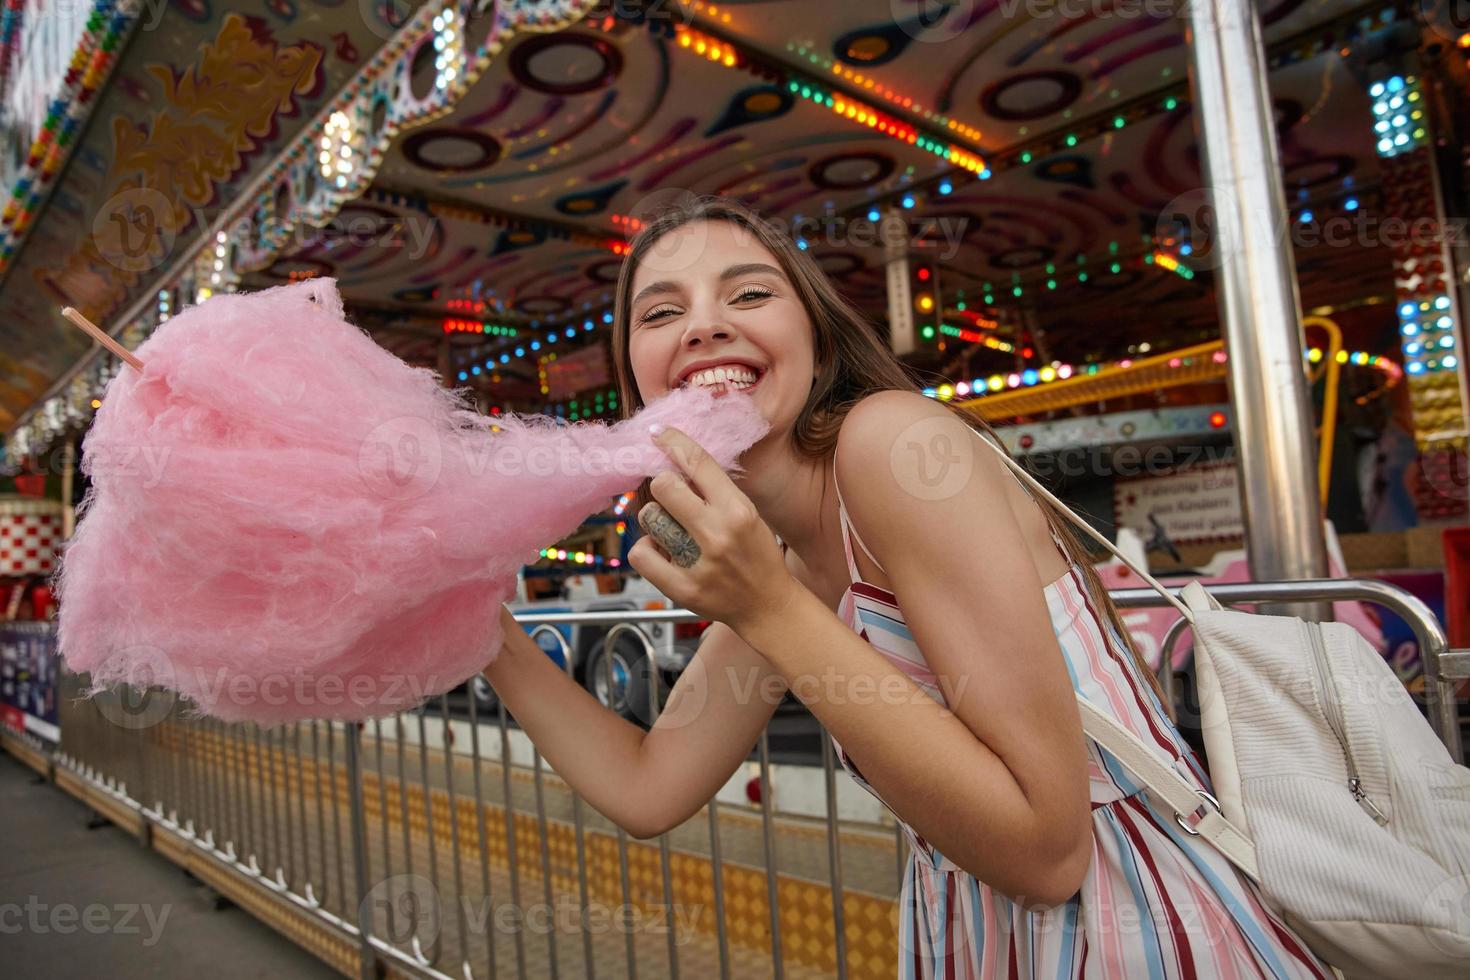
1327,431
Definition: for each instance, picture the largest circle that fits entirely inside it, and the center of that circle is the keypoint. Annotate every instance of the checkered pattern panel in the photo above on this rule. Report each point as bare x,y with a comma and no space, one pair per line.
28,543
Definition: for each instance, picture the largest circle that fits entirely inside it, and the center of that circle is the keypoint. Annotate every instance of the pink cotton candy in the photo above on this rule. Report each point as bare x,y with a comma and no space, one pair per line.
287,522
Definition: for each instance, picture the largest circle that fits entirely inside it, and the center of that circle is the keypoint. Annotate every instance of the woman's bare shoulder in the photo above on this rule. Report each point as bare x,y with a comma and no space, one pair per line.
879,429
911,470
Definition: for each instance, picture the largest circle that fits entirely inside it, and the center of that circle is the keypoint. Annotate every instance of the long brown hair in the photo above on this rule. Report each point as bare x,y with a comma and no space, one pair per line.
853,361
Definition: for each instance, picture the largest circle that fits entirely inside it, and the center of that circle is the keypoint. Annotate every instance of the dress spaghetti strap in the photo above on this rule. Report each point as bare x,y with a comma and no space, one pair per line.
846,524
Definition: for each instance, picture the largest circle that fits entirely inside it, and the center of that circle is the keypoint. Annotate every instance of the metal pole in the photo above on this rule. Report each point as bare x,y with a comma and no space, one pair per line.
321,814
484,854
1166,661
608,651
436,947
343,908
1257,293
304,878
382,775
589,959
834,855
367,959
519,935
717,870
768,840
456,861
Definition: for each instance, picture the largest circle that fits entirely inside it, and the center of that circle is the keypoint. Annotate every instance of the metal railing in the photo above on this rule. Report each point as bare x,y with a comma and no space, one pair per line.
1443,668
395,837
402,842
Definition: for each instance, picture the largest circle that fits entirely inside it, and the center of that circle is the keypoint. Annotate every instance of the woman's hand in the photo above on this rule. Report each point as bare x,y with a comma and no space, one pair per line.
726,565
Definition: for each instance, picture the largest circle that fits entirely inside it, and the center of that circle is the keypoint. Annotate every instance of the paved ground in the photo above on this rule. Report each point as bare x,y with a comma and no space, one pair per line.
87,903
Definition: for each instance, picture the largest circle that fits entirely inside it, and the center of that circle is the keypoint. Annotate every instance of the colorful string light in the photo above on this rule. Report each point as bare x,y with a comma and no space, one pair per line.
1166,261
530,345
1058,371
1398,111
1003,382
448,48
864,113
898,100
1361,359
1428,331
579,557
458,325
337,147
588,406
927,331
93,57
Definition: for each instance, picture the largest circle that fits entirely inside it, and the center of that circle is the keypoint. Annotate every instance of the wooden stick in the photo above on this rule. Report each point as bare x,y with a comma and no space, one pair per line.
99,335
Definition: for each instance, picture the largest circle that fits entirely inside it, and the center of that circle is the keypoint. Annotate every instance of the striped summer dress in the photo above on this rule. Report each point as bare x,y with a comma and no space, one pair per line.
1155,903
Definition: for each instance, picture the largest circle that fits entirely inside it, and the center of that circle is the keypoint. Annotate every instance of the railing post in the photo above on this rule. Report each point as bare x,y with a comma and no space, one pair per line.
367,958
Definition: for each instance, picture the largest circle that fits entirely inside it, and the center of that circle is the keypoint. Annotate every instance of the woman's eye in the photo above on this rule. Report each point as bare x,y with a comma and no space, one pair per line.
753,293
657,313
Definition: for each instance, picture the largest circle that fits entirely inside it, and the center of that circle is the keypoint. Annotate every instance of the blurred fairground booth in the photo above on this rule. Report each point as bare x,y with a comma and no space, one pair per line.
1204,263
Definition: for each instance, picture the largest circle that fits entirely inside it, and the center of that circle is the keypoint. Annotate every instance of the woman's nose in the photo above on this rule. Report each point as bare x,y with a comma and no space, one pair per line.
706,329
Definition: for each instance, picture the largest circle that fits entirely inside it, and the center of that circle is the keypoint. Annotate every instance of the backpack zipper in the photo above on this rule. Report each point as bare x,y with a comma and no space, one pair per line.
1333,713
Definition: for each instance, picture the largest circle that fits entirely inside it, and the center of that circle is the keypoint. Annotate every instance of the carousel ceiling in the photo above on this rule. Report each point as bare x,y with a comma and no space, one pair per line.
1042,161
197,101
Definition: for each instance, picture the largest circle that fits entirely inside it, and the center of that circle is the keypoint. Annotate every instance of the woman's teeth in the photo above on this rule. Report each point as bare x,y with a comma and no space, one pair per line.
729,377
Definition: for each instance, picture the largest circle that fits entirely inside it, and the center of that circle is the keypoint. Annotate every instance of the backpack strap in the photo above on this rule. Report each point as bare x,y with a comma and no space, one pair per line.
1161,778
1092,532
1169,785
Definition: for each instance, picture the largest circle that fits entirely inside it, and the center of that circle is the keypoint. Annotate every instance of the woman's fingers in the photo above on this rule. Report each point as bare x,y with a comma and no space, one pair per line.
670,535
653,566
699,468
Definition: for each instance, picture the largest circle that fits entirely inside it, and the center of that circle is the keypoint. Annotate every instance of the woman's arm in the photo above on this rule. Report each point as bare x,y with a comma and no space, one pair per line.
998,781
645,782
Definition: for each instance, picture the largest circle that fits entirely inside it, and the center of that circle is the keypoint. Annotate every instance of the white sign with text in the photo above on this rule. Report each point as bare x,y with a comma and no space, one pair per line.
1193,505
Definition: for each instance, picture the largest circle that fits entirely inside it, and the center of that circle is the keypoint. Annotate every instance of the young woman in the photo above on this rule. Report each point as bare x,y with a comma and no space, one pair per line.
943,654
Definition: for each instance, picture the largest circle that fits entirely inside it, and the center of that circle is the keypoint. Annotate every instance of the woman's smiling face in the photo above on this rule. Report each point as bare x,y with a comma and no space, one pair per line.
708,294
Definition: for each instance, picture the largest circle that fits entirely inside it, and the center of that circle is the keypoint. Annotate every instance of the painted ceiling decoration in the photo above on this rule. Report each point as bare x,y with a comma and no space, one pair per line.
472,178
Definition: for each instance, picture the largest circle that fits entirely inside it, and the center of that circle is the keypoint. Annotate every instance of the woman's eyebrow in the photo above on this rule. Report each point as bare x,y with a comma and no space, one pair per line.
734,271
653,288
748,268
